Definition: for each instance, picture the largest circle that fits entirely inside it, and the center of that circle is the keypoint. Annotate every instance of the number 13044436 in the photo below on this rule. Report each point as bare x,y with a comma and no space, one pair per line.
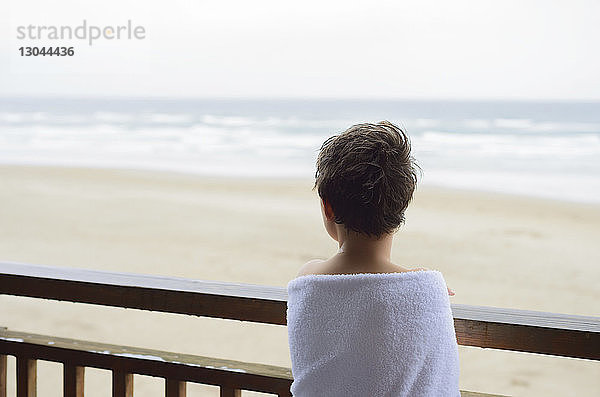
47,51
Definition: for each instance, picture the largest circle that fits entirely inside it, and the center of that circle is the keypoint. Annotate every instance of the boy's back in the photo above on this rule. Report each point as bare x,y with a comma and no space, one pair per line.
385,334
338,265
358,324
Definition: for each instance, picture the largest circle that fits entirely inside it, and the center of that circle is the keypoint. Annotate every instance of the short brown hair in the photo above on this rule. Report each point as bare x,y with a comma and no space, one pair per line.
368,176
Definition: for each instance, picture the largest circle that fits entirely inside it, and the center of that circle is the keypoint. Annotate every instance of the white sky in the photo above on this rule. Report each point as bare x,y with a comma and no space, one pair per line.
370,49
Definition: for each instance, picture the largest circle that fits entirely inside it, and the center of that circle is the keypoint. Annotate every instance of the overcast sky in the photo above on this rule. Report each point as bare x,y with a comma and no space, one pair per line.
369,49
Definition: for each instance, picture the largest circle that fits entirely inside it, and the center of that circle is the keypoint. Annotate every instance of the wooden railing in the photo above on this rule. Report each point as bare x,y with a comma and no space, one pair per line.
519,330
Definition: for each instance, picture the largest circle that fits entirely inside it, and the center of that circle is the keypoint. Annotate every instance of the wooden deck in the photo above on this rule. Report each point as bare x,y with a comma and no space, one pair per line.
509,329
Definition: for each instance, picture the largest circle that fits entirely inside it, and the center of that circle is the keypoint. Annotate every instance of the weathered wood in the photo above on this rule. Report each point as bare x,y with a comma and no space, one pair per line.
122,383
174,388
164,294
26,376
521,330
577,344
528,331
73,380
526,317
184,367
230,392
3,369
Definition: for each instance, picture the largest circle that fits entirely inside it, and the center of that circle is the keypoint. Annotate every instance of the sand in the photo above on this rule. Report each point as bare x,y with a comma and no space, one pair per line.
493,249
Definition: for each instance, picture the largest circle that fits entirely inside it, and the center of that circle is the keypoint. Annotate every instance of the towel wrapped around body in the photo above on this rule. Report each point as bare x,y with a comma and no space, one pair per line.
372,334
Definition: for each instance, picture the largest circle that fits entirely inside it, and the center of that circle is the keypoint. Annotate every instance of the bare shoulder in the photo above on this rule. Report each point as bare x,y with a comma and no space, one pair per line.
393,268
416,269
325,266
400,269
311,267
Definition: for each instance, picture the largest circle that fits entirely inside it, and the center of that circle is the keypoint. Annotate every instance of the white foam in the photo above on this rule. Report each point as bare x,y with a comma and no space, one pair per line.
517,155
113,117
166,118
544,126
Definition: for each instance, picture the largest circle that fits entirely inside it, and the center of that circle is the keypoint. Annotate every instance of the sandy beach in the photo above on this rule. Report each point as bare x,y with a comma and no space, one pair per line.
493,249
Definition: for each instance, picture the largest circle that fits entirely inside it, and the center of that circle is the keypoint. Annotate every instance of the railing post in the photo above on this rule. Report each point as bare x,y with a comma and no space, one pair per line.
174,388
3,364
122,384
73,377
26,377
230,392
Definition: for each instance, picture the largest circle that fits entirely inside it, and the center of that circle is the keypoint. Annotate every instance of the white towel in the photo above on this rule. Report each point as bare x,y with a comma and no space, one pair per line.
386,334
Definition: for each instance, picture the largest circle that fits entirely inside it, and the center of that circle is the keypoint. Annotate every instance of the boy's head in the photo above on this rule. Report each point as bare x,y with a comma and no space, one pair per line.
366,176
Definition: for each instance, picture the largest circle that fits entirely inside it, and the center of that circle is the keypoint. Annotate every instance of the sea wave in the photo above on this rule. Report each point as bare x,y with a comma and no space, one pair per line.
523,155
533,146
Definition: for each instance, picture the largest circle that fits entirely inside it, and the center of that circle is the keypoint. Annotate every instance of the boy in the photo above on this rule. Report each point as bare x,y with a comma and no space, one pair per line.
358,324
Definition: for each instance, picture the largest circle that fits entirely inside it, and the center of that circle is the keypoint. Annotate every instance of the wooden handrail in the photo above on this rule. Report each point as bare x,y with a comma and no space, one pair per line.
487,327
244,302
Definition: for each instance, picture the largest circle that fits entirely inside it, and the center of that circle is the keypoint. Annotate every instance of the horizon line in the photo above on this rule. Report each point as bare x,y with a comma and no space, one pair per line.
299,98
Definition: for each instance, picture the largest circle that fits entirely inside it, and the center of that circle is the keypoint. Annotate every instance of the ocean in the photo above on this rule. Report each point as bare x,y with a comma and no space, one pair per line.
541,149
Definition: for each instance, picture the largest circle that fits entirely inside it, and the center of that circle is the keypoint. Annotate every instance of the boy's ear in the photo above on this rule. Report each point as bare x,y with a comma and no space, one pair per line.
328,210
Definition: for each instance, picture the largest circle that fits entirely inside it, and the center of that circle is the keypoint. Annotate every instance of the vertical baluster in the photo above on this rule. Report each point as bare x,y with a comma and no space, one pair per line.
3,364
230,392
174,388
122,384
26,377
73,377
